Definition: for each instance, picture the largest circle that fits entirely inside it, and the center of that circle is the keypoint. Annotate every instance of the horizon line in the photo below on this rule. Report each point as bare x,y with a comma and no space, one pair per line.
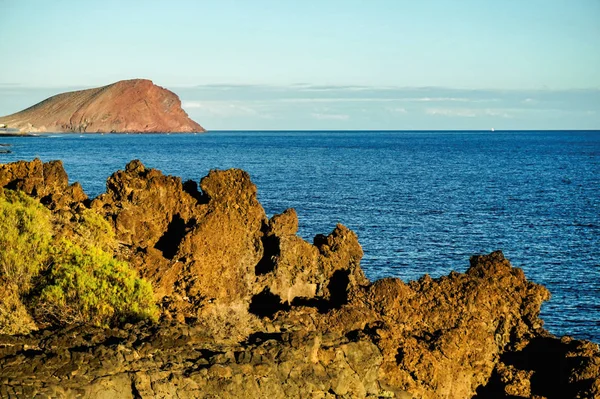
403,130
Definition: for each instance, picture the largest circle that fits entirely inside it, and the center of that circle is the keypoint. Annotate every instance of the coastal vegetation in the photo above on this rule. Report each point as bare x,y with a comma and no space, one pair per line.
64,274
25,237
88,285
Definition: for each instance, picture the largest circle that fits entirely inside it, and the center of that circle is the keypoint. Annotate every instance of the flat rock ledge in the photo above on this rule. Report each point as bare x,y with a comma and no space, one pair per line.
251,310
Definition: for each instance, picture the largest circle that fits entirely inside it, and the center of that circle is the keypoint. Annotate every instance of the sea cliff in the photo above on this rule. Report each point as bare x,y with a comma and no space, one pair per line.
249,309
127,106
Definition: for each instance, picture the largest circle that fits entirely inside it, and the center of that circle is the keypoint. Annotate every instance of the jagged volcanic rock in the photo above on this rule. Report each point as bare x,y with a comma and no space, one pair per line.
47,181
251,310
135,106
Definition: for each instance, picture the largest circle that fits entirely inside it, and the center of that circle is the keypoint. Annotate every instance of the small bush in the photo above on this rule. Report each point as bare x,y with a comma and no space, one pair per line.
93,230
25,234
88,285
68,279
14,317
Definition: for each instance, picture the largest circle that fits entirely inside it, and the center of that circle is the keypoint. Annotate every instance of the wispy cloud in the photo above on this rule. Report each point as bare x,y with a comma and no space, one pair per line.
307,106
468,112
451,99
337,117
397,110
223,108
405,97
313,88
530,101
383,100
336,100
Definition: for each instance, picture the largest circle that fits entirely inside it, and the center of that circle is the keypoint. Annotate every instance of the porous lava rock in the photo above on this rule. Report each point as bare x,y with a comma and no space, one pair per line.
251,310
212,251
46,181
127,106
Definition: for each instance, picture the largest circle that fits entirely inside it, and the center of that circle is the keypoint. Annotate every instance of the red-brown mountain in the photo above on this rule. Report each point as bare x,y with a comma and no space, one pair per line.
128,106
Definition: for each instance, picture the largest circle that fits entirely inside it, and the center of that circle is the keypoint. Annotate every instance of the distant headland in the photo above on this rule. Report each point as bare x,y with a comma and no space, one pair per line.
127,106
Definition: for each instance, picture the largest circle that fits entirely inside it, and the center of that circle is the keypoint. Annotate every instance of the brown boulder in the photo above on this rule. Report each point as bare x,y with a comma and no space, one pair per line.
214,251
45,181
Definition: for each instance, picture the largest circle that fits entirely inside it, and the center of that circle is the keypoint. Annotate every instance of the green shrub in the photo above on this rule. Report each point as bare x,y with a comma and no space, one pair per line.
25,234
88,285
93,230
73,279
14,316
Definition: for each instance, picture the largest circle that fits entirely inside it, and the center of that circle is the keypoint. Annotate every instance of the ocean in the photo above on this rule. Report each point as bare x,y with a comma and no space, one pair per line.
420,202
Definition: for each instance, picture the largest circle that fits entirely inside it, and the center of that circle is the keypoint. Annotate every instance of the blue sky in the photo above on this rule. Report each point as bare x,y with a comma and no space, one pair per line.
351,64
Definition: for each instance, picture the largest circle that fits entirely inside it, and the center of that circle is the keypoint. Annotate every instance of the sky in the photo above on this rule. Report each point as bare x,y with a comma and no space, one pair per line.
319,64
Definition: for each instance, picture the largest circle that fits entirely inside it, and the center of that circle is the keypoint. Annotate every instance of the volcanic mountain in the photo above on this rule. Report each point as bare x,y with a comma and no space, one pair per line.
127,106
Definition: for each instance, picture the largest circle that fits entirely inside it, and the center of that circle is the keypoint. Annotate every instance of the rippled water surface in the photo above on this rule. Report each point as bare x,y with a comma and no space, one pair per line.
421,202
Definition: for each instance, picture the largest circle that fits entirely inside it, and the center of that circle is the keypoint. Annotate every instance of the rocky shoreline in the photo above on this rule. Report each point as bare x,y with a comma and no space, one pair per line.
249,309
4,148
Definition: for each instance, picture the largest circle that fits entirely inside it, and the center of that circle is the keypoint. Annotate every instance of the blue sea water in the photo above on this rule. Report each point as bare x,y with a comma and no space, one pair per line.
420,202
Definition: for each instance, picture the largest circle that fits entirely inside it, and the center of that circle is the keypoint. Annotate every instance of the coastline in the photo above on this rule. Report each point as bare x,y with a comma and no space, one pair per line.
45,133
18,134
274,315
510,197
